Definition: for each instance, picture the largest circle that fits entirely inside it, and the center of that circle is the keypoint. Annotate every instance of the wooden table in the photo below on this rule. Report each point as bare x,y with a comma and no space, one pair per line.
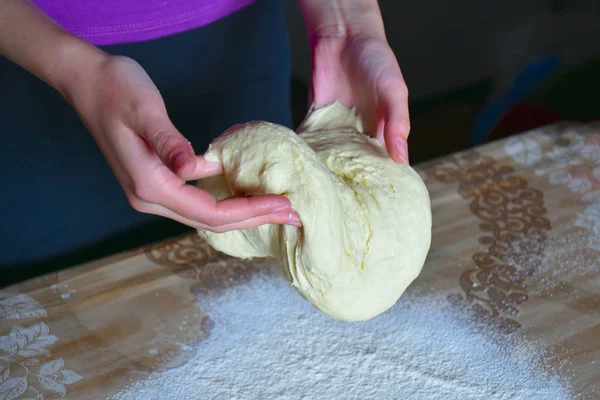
516,241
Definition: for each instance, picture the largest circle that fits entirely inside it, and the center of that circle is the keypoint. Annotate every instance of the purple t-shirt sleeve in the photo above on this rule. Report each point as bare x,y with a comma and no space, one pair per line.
104,22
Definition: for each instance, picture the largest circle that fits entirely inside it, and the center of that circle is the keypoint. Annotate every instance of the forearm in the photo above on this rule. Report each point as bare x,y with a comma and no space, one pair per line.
342,18
32,40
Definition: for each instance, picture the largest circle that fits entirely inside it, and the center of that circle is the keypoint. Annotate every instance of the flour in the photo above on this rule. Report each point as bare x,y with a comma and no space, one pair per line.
269,343
550,262
568,258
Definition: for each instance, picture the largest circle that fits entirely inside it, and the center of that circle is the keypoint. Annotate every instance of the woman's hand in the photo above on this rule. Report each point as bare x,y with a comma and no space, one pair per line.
353,63
125,114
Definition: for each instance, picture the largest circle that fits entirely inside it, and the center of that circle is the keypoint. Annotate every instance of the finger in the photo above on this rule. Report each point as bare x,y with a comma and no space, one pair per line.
173,149
393,96
285,216
198,205
150,182
201,169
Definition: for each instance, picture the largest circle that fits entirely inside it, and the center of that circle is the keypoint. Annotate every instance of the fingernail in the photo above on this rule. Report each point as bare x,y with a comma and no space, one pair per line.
294,220
402,150
179,160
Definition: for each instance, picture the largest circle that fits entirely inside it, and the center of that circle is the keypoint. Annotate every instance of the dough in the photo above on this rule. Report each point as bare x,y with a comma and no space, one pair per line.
366,220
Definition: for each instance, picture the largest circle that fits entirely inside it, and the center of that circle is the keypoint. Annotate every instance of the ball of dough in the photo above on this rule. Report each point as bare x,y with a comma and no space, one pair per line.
366,219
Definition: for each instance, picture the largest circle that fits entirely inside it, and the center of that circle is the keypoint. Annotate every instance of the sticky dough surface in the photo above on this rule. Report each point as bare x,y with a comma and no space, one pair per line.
366,219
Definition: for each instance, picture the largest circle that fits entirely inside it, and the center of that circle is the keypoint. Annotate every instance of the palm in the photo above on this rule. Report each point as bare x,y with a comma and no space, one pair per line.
364,73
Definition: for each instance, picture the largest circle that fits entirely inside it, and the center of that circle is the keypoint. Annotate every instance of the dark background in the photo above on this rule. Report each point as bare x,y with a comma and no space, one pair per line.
458,58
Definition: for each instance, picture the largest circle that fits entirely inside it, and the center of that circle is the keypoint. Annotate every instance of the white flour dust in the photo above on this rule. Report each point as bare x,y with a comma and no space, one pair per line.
553,261
269,343
568,258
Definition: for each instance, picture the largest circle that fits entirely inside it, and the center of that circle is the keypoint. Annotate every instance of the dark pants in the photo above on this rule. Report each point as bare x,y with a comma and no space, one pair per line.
61,204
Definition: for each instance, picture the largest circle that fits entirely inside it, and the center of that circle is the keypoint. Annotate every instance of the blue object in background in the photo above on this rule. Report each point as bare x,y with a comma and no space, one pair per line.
531,76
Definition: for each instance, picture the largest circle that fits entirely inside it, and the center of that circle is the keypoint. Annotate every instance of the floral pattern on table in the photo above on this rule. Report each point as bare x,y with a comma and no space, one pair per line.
27,368
17,305
213,271
509,212
573,160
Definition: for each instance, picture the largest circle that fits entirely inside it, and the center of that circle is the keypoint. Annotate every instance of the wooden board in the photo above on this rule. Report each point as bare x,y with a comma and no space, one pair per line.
516,240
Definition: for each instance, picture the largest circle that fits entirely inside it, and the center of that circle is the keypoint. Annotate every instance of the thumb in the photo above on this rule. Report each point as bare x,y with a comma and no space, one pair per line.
176,152
173,149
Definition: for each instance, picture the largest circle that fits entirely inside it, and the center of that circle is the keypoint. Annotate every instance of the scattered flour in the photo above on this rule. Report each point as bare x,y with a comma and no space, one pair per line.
269,343
554,260
569,258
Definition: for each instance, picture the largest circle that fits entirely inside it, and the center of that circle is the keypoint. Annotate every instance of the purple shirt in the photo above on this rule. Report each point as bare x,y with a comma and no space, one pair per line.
104,22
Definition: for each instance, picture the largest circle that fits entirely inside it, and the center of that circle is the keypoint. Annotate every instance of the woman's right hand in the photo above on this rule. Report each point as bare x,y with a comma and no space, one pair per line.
126,115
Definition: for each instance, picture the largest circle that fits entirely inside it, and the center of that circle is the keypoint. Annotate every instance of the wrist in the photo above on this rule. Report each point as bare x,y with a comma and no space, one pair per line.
75,66
342,20
29,38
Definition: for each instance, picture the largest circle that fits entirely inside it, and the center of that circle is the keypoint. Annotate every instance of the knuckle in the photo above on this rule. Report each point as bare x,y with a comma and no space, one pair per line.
404,124
211,221
397,86
404,90
150,106
212,217
165,142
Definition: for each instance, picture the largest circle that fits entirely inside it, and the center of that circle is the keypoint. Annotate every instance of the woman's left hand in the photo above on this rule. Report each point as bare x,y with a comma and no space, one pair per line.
362,71
353,63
